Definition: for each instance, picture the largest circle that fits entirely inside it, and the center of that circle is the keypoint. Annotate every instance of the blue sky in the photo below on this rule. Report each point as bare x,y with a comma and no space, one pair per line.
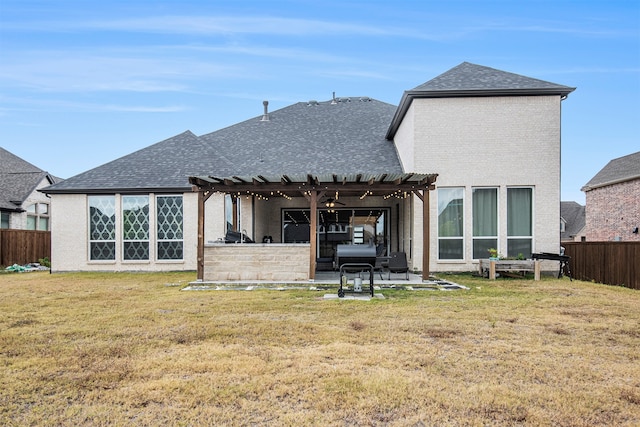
85,82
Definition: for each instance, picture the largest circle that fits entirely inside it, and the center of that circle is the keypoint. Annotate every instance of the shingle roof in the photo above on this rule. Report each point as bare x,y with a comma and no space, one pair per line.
18,179
339,136
467,80
468,77
622,169
573,214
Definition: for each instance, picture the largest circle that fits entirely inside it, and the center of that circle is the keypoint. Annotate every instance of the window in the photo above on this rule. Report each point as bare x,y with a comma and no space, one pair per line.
295,226
38,216
450,223
135,228
232,212
519,222
102,228
485,221
169,227
4,219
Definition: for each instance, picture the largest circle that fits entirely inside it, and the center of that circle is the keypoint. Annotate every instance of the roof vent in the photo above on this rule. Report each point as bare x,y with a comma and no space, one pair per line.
265,115
312,102
333,100
365,99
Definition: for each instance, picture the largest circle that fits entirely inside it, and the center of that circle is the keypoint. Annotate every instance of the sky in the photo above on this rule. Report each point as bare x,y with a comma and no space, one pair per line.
85,82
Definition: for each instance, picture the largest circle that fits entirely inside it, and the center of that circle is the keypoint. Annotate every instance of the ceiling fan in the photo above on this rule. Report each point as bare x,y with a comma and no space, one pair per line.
330,203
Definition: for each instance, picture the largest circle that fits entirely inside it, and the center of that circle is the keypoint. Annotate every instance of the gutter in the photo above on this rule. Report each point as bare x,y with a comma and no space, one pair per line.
409,95
612,182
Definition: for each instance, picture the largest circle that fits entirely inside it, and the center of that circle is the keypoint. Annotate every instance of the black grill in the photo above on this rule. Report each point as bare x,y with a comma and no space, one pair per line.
355,254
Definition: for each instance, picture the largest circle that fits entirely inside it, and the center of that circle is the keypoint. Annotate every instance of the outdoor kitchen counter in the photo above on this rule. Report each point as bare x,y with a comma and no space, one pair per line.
256,261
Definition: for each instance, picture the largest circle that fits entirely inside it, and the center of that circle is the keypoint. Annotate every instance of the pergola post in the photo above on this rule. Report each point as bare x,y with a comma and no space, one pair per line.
203,195
200,255
313,237
426,243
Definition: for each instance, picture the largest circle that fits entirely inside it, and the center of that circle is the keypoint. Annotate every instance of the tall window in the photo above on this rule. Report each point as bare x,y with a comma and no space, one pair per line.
38,216
519,222
450,223
232,212
102,227
169,224
485,221
135,227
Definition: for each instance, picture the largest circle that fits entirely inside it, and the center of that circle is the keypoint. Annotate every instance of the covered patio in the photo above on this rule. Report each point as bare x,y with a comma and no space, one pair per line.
292,262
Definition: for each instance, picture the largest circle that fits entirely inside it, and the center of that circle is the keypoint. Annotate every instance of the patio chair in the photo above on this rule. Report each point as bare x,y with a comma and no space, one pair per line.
381,260
398,264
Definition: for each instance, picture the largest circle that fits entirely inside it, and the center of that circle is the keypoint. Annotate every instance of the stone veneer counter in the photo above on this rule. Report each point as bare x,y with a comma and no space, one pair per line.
256,261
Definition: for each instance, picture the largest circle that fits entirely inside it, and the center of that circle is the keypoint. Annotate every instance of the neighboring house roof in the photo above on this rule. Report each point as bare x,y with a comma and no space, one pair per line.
344,135
18,179
618,170
467,80
573,215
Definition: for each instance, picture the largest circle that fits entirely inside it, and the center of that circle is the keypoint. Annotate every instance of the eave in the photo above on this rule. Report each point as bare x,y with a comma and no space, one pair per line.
409,95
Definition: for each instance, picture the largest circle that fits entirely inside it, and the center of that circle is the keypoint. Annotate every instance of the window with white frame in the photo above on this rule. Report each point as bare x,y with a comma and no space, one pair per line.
135,228
451,223
169,220
102,228
38,216
519,222
485,221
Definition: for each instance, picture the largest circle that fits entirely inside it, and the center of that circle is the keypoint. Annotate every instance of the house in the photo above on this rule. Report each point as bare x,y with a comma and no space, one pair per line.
314,175
613,201
22,206
572,222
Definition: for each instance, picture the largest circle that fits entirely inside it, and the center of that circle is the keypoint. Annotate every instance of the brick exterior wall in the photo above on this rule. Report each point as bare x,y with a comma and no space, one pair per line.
613,211
496,142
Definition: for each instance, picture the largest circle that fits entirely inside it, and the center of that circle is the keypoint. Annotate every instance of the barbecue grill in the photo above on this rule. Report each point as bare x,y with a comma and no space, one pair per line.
355,254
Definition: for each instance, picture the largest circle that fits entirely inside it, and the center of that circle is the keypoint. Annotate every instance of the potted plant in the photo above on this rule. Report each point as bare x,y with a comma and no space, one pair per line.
493,253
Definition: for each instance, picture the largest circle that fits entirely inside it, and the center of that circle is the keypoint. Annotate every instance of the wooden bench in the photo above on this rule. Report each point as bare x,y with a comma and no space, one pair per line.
508,266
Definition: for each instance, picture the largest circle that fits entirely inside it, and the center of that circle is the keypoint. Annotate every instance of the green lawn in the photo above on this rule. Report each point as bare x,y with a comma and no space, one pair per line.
133,349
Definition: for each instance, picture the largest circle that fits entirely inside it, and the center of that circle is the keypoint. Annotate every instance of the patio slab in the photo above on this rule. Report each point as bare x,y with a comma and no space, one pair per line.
327,280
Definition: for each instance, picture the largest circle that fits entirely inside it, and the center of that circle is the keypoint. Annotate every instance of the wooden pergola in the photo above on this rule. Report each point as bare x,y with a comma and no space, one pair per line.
314,188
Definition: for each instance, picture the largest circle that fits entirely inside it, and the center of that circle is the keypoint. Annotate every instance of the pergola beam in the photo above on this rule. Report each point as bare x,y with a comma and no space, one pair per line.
313,188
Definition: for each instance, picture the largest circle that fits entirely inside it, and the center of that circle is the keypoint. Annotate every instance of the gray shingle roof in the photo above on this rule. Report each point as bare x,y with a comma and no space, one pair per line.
573,214
471,77
18,179
466,80
346,136
622,169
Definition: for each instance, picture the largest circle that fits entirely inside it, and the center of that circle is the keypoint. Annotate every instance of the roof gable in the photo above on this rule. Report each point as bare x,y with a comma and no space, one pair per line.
18,179
622,169
470,80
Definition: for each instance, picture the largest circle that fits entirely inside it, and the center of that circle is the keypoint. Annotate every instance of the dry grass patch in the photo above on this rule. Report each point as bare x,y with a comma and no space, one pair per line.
103,349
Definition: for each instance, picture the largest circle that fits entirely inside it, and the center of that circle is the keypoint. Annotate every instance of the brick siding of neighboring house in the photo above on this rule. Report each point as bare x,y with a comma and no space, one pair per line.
613,212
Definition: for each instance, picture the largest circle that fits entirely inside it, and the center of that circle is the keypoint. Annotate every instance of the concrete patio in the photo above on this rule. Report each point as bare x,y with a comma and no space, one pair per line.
330,280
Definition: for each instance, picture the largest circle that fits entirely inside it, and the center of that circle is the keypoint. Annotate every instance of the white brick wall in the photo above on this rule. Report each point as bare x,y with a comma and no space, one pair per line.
494,142
70,245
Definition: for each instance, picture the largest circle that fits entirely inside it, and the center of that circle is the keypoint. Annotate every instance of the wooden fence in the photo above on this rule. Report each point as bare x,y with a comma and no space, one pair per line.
23,246
612,263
